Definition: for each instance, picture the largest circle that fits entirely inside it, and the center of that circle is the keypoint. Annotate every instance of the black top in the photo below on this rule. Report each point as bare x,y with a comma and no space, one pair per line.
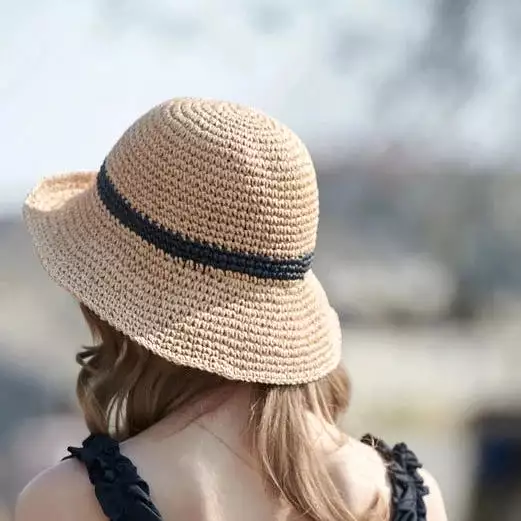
125,496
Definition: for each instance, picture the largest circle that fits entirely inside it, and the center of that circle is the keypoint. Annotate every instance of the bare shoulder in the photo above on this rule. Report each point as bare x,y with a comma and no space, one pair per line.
361,474
434,500
360,470
61,493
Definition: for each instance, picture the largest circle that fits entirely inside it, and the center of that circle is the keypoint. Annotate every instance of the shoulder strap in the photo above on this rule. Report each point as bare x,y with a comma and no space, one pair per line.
407,487
121,492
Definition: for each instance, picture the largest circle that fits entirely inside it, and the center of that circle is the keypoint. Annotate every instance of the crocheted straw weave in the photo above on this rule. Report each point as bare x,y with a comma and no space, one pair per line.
195,239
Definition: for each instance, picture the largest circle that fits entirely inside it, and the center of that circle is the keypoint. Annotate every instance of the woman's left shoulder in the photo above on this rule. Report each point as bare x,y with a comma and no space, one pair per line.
434,499
61,493
362,470
412,481
361,475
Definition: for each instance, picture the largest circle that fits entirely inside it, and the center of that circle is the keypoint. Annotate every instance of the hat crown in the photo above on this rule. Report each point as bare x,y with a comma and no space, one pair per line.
219,173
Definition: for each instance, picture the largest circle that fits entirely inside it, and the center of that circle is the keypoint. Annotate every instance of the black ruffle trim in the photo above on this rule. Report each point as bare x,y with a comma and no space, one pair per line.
121,492
408,488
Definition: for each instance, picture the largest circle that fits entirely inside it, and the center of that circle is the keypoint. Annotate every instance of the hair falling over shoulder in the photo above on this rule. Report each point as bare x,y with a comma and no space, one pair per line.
123,389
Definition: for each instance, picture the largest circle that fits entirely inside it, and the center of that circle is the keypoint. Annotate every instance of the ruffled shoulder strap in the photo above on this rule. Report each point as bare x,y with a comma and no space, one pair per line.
407,487
121,492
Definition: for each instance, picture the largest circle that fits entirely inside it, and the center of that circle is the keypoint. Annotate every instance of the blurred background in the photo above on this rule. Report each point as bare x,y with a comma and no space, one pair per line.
412,111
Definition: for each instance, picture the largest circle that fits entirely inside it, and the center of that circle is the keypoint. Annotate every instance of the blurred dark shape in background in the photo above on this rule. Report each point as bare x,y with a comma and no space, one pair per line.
497,488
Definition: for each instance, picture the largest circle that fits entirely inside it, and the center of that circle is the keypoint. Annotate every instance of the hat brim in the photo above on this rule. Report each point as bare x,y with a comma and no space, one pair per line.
230,324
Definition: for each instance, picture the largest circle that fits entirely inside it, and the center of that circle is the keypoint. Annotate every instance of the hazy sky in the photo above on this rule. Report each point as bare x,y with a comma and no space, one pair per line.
74,75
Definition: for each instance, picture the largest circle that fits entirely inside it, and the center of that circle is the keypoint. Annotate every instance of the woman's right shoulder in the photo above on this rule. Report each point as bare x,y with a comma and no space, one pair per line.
364,476
60,493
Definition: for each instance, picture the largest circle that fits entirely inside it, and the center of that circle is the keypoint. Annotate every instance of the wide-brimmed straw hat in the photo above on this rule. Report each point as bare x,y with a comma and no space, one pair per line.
195,239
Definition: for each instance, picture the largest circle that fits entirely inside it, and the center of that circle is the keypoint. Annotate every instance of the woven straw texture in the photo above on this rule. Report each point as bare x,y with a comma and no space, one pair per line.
226,181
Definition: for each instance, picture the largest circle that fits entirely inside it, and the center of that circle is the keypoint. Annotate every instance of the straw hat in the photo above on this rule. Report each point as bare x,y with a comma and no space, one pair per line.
195,239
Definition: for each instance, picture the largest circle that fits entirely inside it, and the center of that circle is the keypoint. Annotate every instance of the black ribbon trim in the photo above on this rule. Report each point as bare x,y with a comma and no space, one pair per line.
178,246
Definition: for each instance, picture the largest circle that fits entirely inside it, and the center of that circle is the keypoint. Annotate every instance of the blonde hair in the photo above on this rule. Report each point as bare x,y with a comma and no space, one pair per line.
123,389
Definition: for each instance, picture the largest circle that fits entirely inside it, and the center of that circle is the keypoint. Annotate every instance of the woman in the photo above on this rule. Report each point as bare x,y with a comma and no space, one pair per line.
213,387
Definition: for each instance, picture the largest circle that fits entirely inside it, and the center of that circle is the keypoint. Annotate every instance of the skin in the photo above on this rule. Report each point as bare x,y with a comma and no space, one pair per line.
64,492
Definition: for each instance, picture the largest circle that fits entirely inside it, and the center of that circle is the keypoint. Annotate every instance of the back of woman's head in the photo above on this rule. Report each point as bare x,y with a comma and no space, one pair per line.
123,389
192,247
